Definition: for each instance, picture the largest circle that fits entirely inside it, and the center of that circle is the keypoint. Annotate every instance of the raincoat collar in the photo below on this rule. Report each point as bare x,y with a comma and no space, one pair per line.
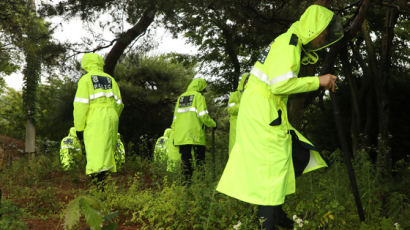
92,62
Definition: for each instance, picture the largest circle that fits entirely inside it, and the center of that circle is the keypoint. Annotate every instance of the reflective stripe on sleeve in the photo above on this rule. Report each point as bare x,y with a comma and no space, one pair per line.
203,113
283,77
260,75
231,104
81,100
264,77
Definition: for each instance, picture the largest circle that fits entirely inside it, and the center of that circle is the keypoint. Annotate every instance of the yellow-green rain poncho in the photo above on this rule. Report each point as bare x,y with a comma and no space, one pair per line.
261,169
160,149
191,115
97,108
119,153
70,150
233,109
165,149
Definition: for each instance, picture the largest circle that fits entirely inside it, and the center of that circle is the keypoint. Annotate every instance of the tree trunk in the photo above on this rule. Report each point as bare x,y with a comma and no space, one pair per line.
126,38
231,50
30,139
297,102
355,111
31,78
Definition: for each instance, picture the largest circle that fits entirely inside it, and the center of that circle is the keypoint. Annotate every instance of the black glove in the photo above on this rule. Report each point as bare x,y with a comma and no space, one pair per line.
80,135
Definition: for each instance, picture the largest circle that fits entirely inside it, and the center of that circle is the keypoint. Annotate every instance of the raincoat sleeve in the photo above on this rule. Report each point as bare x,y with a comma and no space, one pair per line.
118,98
233,103
81,104
203,112
285,80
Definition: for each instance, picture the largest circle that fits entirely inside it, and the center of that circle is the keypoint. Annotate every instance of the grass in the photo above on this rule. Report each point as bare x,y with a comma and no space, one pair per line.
145,196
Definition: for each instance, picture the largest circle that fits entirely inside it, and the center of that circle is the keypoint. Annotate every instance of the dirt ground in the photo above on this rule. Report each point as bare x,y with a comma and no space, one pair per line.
12,149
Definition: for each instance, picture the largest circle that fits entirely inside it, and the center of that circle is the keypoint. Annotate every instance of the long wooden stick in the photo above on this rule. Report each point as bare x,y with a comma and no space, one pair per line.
346,156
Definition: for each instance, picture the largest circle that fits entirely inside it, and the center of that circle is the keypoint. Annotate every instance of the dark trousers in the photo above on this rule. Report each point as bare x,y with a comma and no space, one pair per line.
186,157
269,216
99,180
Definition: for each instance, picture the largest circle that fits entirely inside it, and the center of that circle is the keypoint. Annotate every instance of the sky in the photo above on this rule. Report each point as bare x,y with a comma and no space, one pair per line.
73,30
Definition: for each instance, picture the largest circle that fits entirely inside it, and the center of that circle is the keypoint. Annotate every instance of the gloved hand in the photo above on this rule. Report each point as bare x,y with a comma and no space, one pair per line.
80,135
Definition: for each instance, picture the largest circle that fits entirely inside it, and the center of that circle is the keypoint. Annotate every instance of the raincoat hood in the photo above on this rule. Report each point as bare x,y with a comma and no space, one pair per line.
73,132
92,62
242,81
313,22
167,132
198,84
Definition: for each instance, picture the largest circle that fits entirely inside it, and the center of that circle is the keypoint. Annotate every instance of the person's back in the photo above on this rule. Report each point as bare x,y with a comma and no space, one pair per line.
160,148
97,107
190,118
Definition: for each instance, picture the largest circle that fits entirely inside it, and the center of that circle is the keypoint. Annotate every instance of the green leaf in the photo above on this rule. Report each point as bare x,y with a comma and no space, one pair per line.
110,216
72,214
93,218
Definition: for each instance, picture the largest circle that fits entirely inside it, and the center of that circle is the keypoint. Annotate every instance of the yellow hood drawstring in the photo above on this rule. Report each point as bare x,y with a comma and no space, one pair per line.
310,57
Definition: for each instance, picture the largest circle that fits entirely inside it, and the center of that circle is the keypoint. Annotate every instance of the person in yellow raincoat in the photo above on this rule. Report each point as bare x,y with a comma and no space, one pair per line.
70,151
160,149
97,108
190,118
268,152
233,108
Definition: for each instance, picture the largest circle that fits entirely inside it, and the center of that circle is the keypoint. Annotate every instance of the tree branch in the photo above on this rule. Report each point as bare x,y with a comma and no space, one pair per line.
91,51
126,38
350,33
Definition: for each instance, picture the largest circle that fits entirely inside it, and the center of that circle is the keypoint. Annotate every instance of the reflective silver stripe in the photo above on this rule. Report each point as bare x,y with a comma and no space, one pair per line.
264,77
283,77
203,113
260,75
81,100
67,147
192,109
231,104
175,117
101,94
78,149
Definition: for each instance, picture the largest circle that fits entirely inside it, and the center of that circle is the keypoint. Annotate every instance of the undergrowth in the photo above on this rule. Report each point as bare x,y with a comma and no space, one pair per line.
144,195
